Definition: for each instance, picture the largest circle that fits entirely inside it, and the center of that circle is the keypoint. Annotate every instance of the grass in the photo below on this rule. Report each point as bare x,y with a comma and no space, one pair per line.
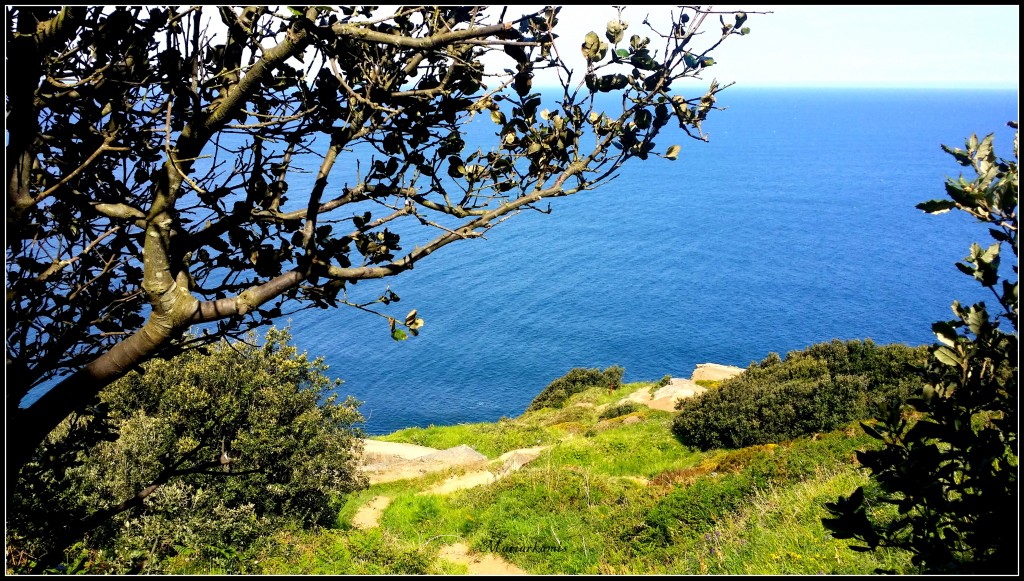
609,496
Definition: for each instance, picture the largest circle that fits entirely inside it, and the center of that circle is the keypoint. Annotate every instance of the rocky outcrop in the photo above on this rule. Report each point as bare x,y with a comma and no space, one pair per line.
388,461
665,398
715,372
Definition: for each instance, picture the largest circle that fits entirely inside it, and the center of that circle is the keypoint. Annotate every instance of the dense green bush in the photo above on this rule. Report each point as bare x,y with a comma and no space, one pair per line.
201,453
578,379
815,390
620,410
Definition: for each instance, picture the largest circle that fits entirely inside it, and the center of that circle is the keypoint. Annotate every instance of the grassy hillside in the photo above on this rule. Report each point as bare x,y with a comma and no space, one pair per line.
616,495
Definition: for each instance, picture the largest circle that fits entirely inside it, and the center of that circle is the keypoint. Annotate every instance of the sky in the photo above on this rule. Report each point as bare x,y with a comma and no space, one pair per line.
842,46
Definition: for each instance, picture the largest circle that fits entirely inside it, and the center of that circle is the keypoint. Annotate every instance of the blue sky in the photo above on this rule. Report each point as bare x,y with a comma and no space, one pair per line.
843,46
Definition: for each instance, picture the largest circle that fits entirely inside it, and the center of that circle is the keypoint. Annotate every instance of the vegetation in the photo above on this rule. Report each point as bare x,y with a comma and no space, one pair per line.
203,453
950,461
815,390
625,499
620,410
605,496
576,380
172,166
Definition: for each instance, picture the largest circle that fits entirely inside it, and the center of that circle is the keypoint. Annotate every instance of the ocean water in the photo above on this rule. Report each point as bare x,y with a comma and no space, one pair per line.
795,224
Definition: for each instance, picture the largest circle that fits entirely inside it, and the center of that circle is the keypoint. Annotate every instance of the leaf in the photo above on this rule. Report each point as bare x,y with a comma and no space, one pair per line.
673,152
612,82
945,355
936,206
399,335
614,30
871,431
945,332
591,47
622,53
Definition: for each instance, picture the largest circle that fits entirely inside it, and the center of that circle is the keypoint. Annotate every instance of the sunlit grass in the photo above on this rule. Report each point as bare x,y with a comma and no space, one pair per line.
588,503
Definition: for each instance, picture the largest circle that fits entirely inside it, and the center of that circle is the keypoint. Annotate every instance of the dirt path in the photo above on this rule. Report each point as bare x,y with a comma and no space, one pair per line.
488,564
385,461
368,516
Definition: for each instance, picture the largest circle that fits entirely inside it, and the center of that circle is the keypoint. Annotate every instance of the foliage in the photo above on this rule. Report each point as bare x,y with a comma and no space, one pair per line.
818,389
170,166
576,380
581,508
208,452
665,380
691,510
620,410
950,461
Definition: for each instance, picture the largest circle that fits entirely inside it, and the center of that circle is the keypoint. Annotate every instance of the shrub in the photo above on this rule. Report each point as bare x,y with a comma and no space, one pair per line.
620,410
689,511
576,380
208,452
816,390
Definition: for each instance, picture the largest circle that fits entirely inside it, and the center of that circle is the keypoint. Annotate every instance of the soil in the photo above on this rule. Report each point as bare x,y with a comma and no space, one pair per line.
368,516
488,564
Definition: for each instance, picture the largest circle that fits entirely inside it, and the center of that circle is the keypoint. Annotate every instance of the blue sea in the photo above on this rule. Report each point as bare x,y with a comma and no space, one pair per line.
795,224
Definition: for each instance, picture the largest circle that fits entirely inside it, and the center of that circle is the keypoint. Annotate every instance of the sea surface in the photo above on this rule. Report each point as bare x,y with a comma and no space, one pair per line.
795,224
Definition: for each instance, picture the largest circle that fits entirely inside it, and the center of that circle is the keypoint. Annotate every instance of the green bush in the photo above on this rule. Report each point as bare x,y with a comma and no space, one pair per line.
815,390
203,453
576,380
690,511
620,410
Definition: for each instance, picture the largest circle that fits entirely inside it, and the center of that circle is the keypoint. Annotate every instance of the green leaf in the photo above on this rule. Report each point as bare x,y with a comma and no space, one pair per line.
745,31
945,355
936,206
644,119
673,152
612,83
622,53
945,332
871,431
614,31
399,335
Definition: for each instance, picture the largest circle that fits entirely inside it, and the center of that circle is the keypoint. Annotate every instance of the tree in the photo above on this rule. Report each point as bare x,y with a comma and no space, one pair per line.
202,450
950,460
156,160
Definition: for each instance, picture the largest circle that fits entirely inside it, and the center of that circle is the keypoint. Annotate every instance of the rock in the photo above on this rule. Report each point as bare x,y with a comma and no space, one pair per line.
665,398
377,452
417,466
715,372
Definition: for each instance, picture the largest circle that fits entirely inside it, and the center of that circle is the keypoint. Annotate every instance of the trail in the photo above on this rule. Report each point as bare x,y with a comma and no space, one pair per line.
388,461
